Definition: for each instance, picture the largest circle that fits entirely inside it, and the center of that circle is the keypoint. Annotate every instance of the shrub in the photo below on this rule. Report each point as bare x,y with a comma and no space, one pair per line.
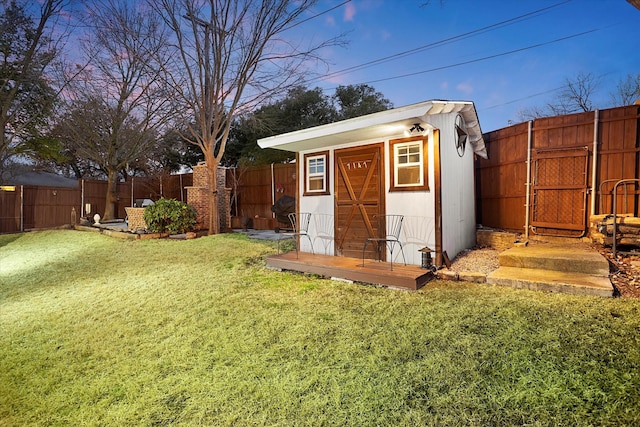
170,216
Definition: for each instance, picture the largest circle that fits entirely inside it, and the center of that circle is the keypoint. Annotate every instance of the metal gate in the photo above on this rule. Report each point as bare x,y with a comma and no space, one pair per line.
559,191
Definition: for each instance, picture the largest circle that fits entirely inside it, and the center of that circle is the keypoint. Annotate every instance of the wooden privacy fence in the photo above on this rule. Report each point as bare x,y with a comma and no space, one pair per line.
550,175
257,188
28,207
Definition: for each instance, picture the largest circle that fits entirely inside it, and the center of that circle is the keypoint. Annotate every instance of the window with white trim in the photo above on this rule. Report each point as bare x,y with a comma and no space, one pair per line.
316,173
408,168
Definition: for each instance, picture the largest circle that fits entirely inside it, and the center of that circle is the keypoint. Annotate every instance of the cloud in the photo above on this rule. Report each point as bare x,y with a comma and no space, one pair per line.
444,85
330,20
349,12
465,87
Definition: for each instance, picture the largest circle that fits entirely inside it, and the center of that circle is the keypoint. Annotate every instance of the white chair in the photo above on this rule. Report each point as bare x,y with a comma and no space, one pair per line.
389,228
300,225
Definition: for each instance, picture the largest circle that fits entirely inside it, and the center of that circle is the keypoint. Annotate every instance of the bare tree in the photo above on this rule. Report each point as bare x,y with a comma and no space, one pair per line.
117,105
627,91
229,56
28,46
531,113
575,96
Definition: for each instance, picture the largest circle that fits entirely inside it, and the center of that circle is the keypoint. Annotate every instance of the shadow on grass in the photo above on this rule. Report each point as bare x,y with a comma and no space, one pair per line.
6,239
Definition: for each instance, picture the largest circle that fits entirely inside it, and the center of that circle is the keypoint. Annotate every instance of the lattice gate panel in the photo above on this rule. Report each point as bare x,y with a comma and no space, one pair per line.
559,191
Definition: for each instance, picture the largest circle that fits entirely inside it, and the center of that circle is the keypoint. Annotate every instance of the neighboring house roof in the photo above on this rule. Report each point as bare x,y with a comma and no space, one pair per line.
378,125
45,179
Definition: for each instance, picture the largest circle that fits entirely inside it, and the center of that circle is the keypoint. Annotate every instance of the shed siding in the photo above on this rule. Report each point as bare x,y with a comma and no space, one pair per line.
417,207
457,190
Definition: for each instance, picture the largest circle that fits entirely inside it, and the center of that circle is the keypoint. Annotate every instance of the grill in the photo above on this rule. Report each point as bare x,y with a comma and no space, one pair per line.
282,208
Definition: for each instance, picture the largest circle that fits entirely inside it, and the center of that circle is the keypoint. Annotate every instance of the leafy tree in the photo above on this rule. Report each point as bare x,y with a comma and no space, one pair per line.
303,108
300,109
61,157
359,100
173,152
26,52
229,56
242,148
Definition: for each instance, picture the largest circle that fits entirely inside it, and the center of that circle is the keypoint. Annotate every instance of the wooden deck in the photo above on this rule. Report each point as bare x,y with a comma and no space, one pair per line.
406,277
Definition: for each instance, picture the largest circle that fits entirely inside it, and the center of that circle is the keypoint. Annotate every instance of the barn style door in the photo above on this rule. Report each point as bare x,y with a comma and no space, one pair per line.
559,191
359,191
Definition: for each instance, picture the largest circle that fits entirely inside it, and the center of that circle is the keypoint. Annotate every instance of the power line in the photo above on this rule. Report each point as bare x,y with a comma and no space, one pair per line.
437,43
513,101
319,14
444,67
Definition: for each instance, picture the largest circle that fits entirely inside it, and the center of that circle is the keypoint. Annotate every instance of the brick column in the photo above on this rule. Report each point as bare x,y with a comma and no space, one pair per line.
198,197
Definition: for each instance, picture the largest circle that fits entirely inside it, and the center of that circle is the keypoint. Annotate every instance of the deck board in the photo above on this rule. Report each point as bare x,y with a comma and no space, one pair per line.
407,277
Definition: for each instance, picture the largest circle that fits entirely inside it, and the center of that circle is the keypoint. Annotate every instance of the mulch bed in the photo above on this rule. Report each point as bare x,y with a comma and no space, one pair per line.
624,272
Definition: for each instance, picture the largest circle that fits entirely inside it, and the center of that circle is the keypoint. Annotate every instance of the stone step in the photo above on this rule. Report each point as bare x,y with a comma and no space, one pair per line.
552,281
561,258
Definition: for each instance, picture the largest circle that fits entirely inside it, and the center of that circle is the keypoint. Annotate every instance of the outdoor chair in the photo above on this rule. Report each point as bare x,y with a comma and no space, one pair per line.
323,231
300,225
389,228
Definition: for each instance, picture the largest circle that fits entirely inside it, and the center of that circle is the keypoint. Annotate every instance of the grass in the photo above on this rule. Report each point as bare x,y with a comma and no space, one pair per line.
100,331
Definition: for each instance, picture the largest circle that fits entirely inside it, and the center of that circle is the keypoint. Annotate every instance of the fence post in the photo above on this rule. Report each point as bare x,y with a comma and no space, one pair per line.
82,199
22,208
181,195
528,183
273,191
594,165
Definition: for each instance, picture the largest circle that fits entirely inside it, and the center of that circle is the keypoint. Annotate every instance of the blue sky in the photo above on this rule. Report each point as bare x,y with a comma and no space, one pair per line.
601,37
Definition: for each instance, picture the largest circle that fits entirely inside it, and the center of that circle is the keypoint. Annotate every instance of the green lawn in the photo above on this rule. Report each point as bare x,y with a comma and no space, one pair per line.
100,331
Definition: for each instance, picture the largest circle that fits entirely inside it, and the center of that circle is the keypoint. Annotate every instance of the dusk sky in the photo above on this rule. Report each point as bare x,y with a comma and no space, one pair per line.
504,55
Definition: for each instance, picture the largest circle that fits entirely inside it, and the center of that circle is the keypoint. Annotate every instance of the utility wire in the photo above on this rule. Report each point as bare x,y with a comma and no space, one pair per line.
320,14
437,43
513,101
444,67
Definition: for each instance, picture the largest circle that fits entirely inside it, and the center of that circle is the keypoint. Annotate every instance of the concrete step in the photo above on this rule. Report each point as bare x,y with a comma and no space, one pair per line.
576,258
552,281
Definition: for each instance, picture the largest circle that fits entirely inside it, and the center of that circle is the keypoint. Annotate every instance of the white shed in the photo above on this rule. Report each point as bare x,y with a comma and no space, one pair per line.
416,161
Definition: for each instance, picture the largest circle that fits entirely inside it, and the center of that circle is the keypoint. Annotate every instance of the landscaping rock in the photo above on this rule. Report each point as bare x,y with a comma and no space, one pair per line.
447,275
472,277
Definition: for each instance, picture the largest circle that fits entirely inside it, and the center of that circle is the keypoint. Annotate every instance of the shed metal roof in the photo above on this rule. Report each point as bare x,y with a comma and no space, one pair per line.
378,125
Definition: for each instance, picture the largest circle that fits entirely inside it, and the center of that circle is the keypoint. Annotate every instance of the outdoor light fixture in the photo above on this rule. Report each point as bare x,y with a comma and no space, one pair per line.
416,128
427,260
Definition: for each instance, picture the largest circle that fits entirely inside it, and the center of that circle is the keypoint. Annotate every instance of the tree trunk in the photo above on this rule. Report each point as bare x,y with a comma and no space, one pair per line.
112,195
